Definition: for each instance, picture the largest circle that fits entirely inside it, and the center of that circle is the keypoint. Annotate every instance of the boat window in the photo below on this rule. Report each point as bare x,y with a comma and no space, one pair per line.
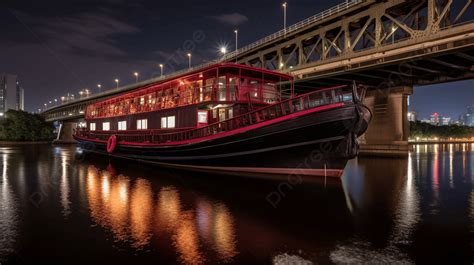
122,125
208,89
106,126
168,122
222,88
142,124
202,116
222,115
92,126
254,87
231,113
233,88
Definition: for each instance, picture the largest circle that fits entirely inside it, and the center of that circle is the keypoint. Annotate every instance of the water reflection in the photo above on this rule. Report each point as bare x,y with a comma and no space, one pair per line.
65,186
372,185
141,205
127,208
8,211
414,210
397,203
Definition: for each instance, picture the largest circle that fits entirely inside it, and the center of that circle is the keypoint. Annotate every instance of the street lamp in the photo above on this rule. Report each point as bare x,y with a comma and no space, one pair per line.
236,40
224,51
45,106
285,5
100,87
117,81
136,77
161,68
189,57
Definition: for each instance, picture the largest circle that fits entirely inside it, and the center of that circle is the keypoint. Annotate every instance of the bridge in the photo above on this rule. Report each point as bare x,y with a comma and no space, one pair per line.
390,46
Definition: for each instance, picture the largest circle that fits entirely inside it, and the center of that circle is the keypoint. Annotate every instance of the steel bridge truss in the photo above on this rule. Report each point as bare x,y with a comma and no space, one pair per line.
378,24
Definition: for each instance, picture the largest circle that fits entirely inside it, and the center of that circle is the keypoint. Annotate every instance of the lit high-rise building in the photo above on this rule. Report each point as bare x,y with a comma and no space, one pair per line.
434,119
12,95
412,116
467,118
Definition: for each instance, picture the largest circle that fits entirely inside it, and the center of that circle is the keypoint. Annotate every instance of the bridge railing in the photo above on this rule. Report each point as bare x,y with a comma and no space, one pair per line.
318,17
315,99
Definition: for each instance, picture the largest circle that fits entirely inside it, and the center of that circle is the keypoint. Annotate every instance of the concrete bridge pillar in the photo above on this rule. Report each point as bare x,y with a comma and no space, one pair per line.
66,130
388,132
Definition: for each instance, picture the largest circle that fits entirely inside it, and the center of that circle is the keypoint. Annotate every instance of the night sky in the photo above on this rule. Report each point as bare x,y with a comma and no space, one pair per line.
58,47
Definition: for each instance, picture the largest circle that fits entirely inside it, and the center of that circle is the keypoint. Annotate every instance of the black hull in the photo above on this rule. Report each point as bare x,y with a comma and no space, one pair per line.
319,143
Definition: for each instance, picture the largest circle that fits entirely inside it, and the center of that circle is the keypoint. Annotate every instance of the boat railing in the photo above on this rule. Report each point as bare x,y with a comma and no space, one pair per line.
323,97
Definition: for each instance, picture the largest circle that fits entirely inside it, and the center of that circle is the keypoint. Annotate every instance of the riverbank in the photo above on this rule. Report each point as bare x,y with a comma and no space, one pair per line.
441,142
24,142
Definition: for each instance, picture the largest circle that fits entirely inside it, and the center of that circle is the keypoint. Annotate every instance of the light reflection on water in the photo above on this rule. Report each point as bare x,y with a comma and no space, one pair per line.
8,211
414,210
128,209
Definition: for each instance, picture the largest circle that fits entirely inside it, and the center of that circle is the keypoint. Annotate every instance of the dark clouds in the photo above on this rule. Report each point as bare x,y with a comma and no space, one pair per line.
233,19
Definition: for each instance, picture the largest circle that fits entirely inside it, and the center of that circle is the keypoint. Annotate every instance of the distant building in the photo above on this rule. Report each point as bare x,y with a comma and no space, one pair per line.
434,119
439,120
12,95
444,121
467,118
412,116
425,121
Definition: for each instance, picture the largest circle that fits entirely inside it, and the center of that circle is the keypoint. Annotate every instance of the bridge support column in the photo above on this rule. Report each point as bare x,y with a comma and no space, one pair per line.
388,132
66,130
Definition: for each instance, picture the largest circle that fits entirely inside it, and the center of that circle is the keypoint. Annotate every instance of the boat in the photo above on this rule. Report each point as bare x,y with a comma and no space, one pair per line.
233,119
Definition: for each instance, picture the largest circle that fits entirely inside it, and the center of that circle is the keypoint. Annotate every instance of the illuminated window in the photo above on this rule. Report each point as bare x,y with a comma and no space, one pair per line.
122,125
142,124
222,89
168,122
202,116
106,126
92,126
171,122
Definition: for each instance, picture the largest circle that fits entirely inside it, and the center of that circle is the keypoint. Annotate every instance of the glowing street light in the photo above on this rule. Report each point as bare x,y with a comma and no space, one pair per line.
223,51
236,40
285,5
161,68
100,87
189,57
136,77
117,81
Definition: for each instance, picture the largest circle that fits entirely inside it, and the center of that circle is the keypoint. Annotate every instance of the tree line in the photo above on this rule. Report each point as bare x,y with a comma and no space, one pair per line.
24,126
426,130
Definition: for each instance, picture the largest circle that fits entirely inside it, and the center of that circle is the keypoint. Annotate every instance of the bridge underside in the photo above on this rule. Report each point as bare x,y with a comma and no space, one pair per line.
452,65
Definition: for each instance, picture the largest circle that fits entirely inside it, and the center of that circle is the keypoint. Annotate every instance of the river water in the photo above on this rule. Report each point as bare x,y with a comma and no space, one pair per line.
61,207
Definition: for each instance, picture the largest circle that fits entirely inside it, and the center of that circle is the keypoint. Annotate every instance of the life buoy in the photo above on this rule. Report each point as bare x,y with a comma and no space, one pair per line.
111,143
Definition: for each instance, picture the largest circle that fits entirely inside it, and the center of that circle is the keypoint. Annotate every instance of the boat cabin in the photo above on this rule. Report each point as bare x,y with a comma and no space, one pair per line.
193,100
